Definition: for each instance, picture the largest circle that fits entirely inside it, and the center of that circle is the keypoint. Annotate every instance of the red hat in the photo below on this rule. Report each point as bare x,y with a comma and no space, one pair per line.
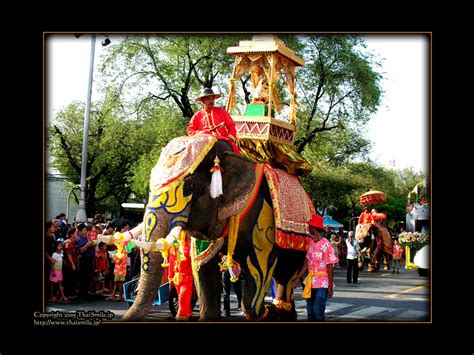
316,221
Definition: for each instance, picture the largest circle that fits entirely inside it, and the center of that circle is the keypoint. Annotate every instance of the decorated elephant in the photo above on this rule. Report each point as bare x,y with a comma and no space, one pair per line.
266,234
376,244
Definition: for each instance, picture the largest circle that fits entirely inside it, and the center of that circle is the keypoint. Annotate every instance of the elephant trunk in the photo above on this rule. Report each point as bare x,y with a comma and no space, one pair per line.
149,283
151,273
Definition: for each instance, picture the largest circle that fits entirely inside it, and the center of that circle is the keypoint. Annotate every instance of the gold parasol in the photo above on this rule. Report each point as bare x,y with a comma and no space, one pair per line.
372,197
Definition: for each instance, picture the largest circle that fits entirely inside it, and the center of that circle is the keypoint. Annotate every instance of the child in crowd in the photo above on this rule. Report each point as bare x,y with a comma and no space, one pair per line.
120,272
102,267
56,274
120,261
397,255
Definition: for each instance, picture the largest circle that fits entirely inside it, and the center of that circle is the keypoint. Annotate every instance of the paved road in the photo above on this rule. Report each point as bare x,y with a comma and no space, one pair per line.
380,296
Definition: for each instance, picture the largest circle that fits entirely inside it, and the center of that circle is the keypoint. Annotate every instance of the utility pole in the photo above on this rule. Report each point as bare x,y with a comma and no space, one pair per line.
81,215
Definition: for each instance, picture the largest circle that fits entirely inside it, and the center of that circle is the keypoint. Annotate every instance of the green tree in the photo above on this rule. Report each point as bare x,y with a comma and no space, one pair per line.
338,88
165,129
115,146
175,67
337,188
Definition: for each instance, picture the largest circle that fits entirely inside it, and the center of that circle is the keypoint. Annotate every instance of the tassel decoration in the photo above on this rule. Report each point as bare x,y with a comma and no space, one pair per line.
165,258
182,241
216,182
232,238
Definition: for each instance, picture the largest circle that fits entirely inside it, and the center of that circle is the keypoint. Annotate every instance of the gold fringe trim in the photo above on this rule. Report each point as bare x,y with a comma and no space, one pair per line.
206,255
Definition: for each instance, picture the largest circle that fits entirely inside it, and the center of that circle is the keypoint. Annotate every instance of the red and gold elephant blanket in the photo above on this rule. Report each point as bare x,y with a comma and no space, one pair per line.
292,208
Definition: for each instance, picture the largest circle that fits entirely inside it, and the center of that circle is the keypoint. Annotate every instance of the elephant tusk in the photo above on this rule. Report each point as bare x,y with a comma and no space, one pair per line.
113,239
146,245
135,232
107,239
164,244
161,244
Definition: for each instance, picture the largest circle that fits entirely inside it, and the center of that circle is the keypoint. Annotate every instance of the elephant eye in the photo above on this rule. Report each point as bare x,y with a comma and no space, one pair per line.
179,151
189,182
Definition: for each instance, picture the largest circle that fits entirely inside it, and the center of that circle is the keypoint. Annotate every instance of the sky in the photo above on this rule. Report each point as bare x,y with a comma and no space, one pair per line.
400,128
398,131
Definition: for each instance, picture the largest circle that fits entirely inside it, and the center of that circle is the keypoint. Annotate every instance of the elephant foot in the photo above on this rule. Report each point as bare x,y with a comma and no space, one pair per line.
282,305
269,310
210,317
286,311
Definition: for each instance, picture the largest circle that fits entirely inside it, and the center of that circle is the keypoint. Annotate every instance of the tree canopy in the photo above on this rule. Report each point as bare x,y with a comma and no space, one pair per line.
115,147
176,67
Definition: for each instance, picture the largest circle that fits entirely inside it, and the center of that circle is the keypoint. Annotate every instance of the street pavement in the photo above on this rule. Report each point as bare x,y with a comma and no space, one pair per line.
380,297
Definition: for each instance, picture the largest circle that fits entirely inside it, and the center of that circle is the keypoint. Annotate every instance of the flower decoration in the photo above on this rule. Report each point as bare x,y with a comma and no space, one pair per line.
414,240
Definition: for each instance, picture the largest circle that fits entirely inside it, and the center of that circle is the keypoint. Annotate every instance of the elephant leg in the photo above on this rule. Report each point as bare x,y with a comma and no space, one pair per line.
210,287
261,261
290,261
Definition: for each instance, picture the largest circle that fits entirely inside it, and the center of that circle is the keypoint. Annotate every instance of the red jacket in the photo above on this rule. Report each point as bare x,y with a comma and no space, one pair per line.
202,121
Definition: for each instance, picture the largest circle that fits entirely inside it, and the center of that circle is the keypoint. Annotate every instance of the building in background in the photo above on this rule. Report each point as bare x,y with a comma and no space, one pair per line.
56,192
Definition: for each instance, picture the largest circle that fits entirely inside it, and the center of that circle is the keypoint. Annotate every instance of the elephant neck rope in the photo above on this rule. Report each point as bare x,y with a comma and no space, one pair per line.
203,251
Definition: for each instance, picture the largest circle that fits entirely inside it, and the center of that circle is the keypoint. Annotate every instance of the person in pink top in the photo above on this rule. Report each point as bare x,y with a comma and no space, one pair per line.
319,263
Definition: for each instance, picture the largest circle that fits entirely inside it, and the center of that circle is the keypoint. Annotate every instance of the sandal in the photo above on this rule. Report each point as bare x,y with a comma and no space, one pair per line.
111,298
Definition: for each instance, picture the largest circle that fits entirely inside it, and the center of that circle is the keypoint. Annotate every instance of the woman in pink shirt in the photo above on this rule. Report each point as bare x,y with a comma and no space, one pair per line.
319,263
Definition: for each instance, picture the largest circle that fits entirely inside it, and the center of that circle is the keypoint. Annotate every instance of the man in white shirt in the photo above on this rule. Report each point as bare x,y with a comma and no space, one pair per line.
353,250
410,218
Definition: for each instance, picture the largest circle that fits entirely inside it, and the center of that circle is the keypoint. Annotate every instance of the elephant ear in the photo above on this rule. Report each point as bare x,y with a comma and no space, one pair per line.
238,180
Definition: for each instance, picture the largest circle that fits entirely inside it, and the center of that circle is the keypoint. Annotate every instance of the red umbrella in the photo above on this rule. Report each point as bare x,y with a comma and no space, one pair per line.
372,197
